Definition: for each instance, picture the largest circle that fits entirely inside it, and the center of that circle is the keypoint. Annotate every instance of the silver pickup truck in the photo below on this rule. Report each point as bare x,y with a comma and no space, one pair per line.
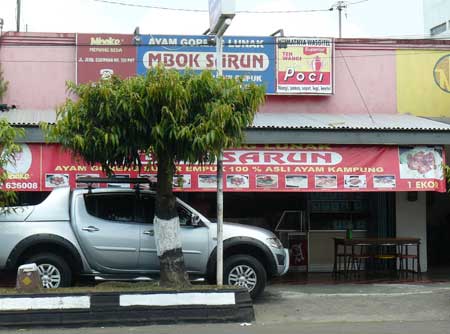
108,233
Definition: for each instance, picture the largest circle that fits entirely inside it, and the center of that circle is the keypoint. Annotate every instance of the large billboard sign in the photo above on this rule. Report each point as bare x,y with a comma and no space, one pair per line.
269,168
305,66
252,58
101,55
286,65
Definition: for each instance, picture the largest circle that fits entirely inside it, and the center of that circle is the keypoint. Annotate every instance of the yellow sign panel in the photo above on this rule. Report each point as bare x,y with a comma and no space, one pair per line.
423,82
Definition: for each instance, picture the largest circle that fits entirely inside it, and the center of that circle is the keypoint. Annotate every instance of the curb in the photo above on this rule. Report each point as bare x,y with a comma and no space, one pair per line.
119,308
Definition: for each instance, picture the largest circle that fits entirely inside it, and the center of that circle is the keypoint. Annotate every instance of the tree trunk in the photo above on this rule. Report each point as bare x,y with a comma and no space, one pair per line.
167,229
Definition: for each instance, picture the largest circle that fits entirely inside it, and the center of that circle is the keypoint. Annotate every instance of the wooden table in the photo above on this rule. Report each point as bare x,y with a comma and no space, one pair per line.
348,254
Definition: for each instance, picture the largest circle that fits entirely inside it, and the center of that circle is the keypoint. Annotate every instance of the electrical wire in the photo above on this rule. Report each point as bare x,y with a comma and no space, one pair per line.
357,2
367,40
344,4
410,36
358,89
337,41
150,6
293,11
381,42
121,3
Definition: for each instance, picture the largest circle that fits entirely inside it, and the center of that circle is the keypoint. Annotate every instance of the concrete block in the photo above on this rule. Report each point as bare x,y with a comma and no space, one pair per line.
28,278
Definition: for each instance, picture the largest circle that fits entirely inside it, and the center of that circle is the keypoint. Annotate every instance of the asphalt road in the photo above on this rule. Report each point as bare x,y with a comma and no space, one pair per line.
317,309
354,303
387,327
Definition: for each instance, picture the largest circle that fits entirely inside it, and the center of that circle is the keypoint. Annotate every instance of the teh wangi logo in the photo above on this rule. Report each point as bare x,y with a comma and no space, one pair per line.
441,73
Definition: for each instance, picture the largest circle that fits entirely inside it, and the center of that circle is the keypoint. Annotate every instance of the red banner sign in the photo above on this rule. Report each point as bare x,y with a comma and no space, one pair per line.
273,168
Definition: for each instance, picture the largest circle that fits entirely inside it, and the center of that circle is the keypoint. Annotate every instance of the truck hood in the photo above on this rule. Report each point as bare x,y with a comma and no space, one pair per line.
248,228
231,230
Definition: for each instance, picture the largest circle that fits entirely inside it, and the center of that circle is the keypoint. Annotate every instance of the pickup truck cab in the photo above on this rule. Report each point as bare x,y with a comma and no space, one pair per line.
107,233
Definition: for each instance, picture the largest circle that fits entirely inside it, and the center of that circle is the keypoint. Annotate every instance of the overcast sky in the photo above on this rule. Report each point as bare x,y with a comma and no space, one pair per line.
373,18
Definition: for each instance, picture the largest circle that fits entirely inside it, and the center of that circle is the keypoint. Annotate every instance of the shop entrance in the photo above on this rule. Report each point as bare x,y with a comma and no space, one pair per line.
306,223
438,231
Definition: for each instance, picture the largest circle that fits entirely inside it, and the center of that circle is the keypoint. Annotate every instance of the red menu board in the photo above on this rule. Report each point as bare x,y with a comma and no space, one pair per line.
270,168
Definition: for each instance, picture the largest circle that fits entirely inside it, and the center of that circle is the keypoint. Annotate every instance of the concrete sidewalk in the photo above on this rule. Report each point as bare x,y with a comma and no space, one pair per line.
353,303
321,309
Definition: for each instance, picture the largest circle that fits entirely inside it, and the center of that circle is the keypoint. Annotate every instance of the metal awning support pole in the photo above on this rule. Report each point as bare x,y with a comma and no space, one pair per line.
219,50
219,278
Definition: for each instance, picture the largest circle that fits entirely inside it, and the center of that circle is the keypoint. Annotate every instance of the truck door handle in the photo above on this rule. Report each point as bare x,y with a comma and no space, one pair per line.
90,229
149,232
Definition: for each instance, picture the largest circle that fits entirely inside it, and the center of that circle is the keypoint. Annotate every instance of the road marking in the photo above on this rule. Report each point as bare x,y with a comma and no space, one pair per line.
292,294
194,298
45,303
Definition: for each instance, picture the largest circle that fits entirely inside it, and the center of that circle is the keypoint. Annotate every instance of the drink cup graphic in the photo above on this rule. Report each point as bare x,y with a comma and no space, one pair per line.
317,63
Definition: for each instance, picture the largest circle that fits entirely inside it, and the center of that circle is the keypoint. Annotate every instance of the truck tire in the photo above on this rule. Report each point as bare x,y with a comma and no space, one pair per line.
54,270
247,272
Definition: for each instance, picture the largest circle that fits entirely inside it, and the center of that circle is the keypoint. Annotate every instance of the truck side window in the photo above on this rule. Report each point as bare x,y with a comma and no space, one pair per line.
184,215
115,207
145,209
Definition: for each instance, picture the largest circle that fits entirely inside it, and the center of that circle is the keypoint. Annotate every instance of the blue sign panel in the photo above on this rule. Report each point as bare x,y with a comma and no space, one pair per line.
252,58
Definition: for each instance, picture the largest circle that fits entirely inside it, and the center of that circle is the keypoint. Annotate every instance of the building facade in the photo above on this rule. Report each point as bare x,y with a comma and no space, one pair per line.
317,159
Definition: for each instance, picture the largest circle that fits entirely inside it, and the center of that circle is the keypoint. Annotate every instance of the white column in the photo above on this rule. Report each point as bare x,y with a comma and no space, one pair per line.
411,221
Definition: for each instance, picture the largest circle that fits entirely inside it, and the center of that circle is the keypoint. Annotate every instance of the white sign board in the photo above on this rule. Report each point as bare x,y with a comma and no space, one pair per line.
219,11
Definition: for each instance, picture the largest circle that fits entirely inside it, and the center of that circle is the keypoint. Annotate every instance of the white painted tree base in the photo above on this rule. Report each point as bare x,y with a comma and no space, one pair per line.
167,234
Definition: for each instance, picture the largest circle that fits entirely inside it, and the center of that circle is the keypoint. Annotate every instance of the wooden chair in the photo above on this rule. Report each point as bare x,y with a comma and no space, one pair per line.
405,259
360,255
385,258
341,264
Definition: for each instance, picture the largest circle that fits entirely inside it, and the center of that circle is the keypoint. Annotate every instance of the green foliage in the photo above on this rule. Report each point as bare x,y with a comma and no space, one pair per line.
3,85
179,116
447,175
176,116
8,148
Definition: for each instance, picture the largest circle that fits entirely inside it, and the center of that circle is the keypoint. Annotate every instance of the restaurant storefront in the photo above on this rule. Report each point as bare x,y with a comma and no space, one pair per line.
340,142
306,194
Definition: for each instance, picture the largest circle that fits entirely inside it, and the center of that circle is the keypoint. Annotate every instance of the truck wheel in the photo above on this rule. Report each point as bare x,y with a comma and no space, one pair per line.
53,269
247,272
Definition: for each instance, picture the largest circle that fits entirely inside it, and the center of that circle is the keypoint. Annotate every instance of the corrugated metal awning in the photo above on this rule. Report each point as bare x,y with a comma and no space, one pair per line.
384,122
32,117
29,117
298,128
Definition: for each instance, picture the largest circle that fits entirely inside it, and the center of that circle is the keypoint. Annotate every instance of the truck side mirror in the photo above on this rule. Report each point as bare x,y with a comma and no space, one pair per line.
195,220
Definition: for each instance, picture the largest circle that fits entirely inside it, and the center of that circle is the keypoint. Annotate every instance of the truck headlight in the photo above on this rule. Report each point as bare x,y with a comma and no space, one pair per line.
275,243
